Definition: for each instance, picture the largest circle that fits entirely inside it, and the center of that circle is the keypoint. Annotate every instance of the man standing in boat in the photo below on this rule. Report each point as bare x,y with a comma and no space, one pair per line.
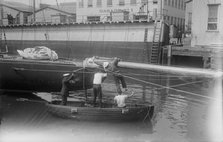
99,77
120,99
68,79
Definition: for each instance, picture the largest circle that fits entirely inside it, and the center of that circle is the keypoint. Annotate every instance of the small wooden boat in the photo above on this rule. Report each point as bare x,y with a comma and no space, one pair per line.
81,111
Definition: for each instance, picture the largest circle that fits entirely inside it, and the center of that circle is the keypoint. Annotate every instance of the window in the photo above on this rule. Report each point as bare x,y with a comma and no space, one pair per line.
179,4
169,2
122,2
109,2
171,21
133,2
165,2
182,5
81,3
212,17
144,1
176,3
90,3
155,14
155,1
99,3
175,21
172,3
93,18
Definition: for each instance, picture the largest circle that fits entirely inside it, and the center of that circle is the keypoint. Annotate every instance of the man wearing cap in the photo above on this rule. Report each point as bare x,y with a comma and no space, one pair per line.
99,77
66,81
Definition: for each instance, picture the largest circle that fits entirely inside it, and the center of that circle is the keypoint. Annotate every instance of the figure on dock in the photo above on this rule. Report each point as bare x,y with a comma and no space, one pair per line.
68,79
179,37
99,77
120,99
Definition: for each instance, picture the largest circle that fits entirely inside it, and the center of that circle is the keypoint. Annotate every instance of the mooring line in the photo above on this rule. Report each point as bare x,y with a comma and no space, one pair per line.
183,84
191,93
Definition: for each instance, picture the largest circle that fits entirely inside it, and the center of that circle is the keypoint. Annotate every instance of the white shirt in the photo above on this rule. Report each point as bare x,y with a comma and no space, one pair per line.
120,100
98,77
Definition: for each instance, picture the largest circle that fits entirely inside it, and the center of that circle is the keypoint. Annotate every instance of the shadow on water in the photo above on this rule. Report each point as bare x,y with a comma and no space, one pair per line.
179,116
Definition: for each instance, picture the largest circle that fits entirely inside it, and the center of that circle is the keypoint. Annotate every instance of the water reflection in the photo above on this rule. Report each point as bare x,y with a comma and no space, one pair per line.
179,116
1,108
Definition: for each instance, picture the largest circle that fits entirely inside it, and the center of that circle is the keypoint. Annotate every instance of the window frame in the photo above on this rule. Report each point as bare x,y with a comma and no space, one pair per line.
217,17
109,4
121,3
165,2
90,3
175,3
81,3
93,18
131,2
99,3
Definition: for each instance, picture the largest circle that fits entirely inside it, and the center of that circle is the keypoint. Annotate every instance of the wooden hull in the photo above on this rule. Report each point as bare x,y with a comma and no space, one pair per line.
81,112
18,74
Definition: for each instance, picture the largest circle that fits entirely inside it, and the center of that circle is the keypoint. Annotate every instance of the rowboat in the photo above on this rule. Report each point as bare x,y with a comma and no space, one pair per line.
83,112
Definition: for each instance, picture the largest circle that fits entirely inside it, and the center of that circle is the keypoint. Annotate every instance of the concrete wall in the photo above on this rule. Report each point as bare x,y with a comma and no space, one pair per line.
200,34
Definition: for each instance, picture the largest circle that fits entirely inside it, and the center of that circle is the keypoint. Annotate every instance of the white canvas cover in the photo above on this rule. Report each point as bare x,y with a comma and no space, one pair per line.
38,52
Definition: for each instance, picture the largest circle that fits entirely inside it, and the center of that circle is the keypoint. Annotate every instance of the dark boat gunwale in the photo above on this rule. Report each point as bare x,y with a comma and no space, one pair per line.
129,113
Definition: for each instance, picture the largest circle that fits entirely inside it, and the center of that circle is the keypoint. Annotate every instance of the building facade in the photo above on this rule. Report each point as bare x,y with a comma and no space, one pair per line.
207,26
51,15
172,11
14,13
63,13
188,16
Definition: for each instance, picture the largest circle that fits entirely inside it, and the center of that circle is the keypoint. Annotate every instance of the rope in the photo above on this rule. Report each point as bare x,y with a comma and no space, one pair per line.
163,87
183,84
147,114
178,90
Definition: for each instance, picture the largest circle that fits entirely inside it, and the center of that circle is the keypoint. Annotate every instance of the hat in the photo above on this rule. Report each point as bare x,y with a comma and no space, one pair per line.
105,64
66,74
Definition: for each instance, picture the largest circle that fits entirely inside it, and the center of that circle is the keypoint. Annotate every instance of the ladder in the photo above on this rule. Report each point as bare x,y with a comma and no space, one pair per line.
155,49
146,48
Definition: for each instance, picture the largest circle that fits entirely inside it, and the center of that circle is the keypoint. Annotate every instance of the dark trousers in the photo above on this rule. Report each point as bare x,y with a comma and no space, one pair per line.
65,93
119,80
97,92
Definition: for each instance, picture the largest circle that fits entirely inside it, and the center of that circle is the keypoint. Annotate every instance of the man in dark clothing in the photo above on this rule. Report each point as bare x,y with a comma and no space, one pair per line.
118,78
67,80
